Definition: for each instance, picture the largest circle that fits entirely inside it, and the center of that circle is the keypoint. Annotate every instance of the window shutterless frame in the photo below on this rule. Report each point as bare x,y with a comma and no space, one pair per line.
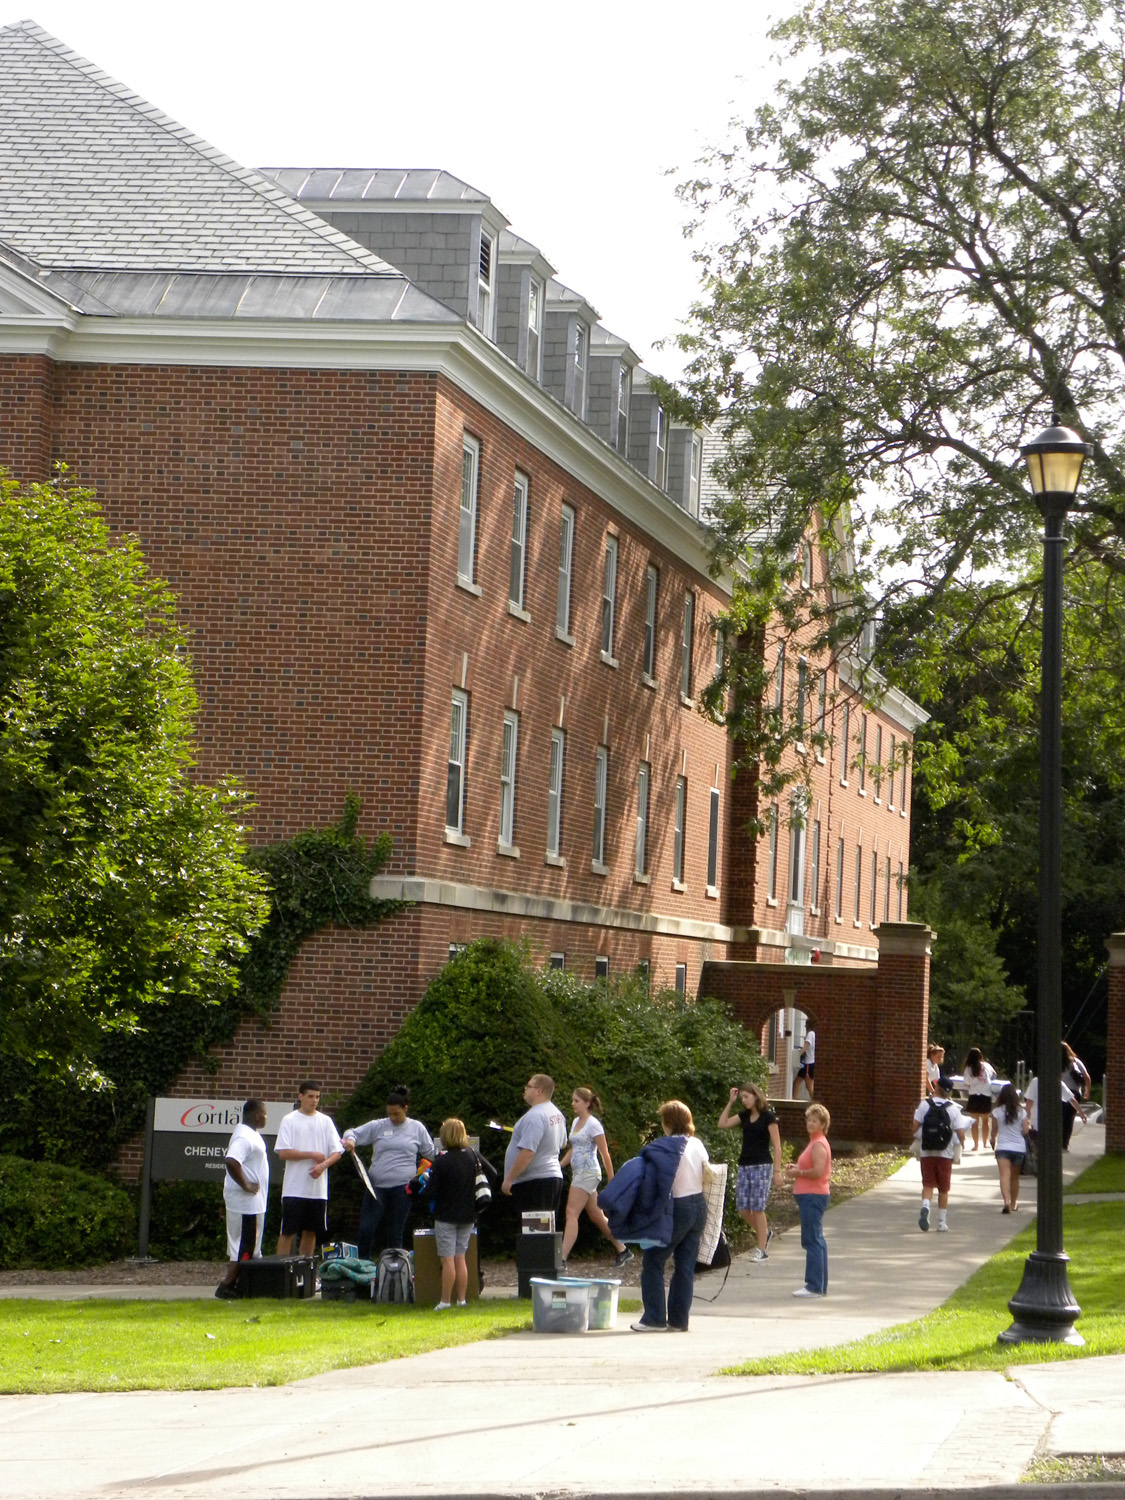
467,533
687,646
641,863
566,566
455,780
518,569
680,808
555,791
508,747
609,595
652,589
601,778
713,841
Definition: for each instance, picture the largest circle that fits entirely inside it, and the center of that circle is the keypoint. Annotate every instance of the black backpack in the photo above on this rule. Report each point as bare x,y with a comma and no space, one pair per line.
937,1131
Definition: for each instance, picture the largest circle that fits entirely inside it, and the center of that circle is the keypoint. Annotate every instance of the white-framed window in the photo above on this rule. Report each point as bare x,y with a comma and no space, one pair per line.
779,676
814,866
687,646
821,715
903,805
679,814
887,892
862,758
467,533
641,864
485,284
601,781
624,391
609,596
558,960
681,979
456,949
661,477
555,792
601,966
517,573
840,878
878,767
771,888
696,473
566,569
652,593
845,743
455,780
806,565
713,841
797,850
891,777
581,360
858,881
509,745
874,886
534,326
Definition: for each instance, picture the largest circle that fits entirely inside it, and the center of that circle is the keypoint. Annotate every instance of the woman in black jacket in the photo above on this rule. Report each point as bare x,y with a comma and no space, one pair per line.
452,1195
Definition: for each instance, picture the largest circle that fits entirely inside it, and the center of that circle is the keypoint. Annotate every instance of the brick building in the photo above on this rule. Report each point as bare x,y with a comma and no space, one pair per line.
436,542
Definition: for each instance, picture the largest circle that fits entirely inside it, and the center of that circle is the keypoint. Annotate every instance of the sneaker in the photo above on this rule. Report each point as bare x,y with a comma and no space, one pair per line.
757,1255
769,1235
677,1328
649,1327
924,1216
463,1304
623,1257
227,1293
441,1306
943,1227
807,1291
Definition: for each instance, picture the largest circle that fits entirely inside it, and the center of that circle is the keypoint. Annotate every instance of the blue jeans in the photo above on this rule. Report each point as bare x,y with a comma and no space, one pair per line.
811,1207
689,1215
390,1203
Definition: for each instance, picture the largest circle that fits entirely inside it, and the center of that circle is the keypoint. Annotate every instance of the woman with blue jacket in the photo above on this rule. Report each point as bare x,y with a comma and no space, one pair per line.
656,1200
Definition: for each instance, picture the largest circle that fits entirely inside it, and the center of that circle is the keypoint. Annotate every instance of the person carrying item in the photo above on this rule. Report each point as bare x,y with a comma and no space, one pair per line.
246,1184
532,1174
759,1162
398,1146
451,1195
308,1144
587,1151
938,1123
656,1200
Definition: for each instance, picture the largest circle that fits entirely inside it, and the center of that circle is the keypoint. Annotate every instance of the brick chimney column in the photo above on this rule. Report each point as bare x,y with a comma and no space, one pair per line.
902,1011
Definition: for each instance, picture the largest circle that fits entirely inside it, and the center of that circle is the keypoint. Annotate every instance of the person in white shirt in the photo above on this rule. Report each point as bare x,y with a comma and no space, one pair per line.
689,1217
933,1114
1012,1126
978,1076
245,1189
806,1073
587,1153
308,1145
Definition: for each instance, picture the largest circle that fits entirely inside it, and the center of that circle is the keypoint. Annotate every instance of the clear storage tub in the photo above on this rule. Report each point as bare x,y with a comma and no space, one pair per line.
559,1306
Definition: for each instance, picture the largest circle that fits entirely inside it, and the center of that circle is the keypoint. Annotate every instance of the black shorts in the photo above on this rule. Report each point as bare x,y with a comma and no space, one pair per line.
979,1104
807,1070
300,1215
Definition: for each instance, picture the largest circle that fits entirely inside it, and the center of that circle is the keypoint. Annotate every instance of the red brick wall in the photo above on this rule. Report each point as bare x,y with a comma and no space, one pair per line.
26,392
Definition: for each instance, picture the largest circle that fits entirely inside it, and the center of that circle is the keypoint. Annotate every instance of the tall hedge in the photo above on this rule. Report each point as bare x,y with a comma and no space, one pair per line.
53,1216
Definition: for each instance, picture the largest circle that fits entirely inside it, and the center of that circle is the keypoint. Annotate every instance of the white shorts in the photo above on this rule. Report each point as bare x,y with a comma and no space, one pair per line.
588,1182
238,1232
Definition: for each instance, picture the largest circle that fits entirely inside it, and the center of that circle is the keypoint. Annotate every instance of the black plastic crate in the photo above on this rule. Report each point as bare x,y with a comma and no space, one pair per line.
280,1276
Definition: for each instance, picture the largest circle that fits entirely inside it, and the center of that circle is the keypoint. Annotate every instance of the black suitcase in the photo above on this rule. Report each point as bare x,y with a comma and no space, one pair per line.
278,1276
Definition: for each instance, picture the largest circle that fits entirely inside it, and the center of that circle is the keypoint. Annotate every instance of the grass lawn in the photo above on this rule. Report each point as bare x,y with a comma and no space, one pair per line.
1106,1174
95,1345
961,1334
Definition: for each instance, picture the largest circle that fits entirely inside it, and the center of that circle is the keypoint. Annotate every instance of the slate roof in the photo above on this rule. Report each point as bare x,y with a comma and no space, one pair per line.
412,185
92,176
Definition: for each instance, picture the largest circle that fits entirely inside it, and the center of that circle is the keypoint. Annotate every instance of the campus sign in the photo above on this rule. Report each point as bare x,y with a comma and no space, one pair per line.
190,1136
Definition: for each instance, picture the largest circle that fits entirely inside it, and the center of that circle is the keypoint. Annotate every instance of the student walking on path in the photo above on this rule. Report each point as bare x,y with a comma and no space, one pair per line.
759,1162
938,1125
1012,1126
586,1154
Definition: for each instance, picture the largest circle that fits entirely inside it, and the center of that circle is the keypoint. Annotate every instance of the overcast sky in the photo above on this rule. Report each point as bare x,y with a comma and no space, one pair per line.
571,121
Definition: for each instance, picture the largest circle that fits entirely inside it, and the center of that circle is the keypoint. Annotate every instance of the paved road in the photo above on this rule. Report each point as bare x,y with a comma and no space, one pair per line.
616,1413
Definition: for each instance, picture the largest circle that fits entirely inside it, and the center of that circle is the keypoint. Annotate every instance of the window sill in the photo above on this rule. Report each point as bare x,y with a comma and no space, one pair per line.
686,702
857,925
771,901
902,813
844,781
862,792
557,860
679,886
642,879
518,614
459,840
469,586
609,660
647,681
819,758
801,748
509,851
878,801
712,893
561,635
597,868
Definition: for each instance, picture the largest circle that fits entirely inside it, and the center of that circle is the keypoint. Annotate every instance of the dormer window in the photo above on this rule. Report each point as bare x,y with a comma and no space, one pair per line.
696,473
661,476
534,326
624,390
485,285
581,351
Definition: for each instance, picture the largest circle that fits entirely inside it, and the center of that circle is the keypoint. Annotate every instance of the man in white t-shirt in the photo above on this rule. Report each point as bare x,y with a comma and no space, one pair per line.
938,1115
308,1145
533,1177
1031,1103
245,1189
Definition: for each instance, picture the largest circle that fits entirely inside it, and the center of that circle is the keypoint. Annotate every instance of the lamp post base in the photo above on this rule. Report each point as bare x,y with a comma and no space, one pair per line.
1044,1307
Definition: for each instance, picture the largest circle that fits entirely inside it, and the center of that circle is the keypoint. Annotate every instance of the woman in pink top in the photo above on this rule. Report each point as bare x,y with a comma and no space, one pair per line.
809,1175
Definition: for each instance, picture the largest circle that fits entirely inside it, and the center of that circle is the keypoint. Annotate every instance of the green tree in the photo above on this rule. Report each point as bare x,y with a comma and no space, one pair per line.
122,881
913,255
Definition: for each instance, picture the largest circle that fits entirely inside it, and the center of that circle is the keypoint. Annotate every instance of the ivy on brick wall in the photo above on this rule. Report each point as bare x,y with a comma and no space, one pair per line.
318,879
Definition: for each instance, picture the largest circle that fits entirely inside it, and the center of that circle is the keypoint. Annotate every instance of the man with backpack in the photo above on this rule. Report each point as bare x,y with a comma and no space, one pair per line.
938,1124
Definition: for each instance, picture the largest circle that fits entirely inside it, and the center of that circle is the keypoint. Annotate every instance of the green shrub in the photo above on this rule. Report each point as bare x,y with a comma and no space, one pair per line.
51,1215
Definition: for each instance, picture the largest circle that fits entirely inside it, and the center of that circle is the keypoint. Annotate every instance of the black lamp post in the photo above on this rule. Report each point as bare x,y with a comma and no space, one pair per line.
1044,1308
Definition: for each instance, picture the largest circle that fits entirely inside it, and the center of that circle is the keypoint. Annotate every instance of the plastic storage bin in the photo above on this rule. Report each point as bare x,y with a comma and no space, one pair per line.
603,1304
559,1306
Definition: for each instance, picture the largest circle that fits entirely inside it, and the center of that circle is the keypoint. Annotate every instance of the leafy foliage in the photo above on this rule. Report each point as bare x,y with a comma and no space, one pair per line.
122,883
52,1215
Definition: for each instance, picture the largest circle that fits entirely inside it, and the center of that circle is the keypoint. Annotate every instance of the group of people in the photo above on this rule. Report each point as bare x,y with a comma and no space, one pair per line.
1004,1121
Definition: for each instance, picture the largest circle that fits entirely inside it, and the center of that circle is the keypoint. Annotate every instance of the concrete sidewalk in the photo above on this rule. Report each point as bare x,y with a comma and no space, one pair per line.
619,1414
